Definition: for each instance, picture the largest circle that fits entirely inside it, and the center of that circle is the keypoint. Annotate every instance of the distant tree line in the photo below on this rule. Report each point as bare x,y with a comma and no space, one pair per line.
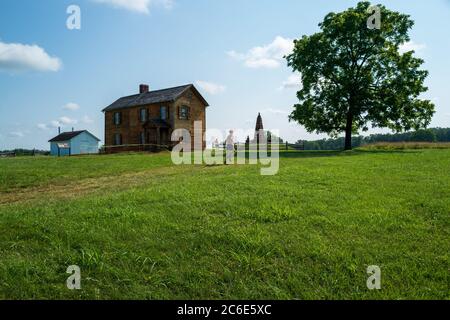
425,135
26,152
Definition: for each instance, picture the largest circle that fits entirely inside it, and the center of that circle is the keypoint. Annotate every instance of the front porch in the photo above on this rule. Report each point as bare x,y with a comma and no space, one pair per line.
156,136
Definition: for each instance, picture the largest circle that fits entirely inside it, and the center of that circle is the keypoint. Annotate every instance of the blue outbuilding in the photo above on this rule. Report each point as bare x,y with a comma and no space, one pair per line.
74,143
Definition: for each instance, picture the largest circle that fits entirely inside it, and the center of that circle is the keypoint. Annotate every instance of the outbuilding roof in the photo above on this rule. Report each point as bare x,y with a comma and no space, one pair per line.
66,136
157,96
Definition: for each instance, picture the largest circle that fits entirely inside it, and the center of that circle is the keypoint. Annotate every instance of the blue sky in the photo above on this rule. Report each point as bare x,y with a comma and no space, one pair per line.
50,75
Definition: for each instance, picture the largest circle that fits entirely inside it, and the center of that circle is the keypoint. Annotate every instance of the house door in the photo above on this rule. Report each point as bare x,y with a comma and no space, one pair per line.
165,137
152,137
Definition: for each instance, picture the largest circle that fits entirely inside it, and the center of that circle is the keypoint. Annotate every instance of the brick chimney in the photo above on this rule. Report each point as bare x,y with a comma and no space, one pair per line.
143,88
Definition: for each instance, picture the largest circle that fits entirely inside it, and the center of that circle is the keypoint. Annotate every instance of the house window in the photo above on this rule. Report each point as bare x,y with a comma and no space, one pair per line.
117,139
163,113
184,113
142,138
143,115
117,118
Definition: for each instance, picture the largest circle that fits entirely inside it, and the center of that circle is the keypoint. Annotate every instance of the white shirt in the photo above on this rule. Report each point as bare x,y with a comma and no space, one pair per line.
230,139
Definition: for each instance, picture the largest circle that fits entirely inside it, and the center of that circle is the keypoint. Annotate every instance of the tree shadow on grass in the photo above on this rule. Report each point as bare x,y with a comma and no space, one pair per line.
326,154
315,154
312,154
340,153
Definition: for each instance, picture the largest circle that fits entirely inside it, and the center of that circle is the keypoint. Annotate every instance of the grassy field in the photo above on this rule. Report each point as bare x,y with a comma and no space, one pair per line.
141,228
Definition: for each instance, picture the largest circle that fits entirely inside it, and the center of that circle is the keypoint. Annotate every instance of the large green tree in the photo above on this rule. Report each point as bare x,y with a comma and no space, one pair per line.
354,76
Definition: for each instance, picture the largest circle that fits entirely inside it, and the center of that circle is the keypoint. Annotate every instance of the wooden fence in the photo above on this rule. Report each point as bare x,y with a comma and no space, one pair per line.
286,146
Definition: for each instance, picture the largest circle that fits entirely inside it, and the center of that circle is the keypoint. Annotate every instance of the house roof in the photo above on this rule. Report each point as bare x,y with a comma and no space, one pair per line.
65,136
157,96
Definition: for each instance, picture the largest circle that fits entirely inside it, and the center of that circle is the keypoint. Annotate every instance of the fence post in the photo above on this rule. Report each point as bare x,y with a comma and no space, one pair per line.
287,146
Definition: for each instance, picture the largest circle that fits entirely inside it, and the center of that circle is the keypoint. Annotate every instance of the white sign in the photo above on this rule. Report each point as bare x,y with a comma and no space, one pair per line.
63,145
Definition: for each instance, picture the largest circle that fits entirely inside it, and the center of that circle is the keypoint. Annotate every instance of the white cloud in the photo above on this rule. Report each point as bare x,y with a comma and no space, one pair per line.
411,46
71,106
268,56
42,126
16,134
293,82
55,124
63,121
18,57
168,4
67,120
210,87
87,120
140,6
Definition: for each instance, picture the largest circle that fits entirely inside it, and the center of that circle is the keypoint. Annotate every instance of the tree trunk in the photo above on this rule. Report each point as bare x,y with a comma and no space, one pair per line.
348,131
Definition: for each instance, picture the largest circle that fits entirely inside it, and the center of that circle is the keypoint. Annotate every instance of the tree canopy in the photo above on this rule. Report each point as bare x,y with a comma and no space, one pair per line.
354,76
